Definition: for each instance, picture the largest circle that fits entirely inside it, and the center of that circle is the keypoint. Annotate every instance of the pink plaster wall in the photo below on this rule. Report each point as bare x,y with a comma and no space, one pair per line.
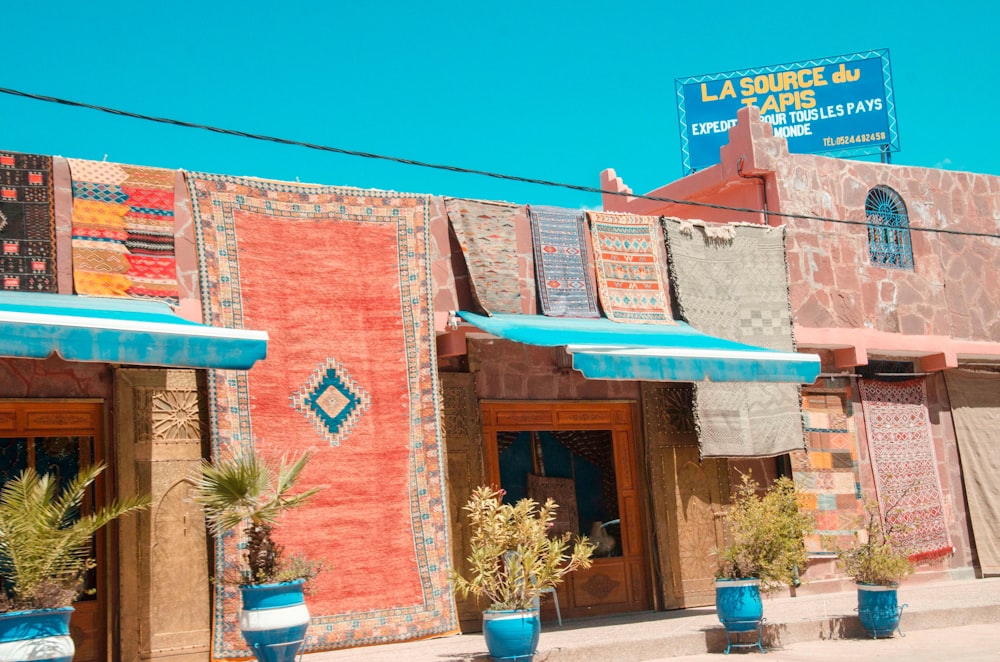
54,378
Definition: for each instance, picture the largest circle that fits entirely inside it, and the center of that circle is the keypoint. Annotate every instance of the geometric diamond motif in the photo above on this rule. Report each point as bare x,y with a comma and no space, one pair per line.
332,401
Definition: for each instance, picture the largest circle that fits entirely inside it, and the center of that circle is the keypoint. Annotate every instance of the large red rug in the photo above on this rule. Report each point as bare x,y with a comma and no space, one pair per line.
902,454
340,280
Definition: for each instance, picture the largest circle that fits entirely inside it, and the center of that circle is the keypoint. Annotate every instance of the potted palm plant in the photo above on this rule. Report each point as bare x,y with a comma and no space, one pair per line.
764,551
245,489
877,567
512,562
45,555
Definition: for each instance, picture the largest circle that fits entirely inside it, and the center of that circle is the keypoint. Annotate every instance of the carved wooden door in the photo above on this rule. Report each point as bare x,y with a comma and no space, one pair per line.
60,437
464,458
586,452
688,495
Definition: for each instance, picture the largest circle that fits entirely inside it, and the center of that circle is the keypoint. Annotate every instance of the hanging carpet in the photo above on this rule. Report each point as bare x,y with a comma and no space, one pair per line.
975,408
340,280
496,241
731,281
27,225
901,451
563,263
628,255
826,473
123,231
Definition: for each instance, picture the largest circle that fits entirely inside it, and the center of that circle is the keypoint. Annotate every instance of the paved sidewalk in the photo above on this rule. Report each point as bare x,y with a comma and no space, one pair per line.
657,635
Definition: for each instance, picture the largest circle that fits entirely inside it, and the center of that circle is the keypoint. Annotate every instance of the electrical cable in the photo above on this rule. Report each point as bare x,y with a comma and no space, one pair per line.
458,169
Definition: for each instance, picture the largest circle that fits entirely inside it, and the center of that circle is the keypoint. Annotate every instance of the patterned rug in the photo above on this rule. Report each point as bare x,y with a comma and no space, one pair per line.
123,231
826,474
563,265
975,408
340,279
496,241
27,225
731,281
901,450
628,254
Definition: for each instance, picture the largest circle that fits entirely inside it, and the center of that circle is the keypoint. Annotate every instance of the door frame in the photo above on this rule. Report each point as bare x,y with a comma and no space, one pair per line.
82,417
619,417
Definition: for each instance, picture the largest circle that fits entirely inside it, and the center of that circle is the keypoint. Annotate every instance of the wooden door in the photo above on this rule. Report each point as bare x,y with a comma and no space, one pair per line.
688,495
60,437
595,444
464,462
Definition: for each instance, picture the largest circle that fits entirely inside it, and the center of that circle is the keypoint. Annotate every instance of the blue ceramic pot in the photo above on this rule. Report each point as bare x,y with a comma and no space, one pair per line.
511,636
274,620
738,604
878,609
38,635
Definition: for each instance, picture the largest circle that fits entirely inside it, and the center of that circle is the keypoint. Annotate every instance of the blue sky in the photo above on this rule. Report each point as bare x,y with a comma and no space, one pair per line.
547,90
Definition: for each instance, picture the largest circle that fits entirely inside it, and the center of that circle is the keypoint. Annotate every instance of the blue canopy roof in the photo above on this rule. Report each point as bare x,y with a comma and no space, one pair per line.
603,349
129,331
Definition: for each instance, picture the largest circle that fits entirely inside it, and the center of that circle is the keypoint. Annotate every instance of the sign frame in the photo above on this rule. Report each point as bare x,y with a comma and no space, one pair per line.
696,152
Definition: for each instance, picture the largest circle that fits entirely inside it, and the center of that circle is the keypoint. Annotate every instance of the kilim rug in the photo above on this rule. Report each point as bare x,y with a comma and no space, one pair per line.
628,256
563,263
496,241
731,281
340,280
123,231
901,450
826,474
27,225
975,409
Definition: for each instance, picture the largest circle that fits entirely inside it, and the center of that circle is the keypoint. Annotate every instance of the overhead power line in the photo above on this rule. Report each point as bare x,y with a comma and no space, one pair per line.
451,168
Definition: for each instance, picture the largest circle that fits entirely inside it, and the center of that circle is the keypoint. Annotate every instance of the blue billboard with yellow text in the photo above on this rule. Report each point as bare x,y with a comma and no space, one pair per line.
843,105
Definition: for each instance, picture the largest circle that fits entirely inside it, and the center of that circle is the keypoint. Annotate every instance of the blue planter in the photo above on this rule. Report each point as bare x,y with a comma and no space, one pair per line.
511,636
39,635
274,620
738,604
878,609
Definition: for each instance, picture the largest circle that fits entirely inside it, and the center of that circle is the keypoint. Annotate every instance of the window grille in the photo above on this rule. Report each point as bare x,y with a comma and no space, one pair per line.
888,229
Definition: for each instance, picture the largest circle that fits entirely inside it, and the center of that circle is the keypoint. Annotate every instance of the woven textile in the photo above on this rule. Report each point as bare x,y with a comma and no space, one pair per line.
496,241
731,281
975,408
826,474
27,225
563,265
340,280
123,231
628,255
901,450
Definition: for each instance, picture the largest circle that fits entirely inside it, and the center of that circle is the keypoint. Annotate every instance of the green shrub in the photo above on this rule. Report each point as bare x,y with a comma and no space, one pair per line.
513,559
764,535
874,559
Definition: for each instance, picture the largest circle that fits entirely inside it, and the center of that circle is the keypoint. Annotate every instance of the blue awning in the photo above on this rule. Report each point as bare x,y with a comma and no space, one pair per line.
128,331
602,349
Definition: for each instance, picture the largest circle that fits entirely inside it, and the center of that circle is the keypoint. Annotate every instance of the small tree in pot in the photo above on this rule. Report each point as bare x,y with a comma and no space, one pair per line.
513,561
45,555
765,551
246,489
877,567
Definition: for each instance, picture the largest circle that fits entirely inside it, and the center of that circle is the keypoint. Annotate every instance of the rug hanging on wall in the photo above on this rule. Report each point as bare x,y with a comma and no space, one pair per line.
496,241
340,280
731,281
123,231
564,266
628,256
975,408
901,450
27,223
826,473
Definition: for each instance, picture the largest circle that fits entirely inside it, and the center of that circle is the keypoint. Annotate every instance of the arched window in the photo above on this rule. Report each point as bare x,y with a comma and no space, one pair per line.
888,229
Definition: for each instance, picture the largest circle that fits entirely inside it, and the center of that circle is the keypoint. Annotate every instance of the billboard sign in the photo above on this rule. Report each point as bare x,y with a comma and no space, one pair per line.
842,105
